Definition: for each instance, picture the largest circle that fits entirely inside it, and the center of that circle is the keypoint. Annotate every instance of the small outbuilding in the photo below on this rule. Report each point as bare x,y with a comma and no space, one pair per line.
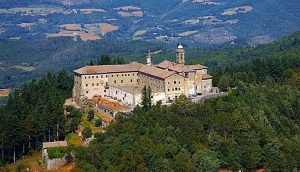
54,162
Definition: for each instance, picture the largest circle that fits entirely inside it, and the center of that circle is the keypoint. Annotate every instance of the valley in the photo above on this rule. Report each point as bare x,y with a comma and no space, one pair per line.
207,22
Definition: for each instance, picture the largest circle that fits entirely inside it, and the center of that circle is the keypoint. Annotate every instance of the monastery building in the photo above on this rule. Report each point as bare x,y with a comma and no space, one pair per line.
168,80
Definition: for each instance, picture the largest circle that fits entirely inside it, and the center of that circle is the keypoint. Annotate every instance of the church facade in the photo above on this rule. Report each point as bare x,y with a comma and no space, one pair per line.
168,80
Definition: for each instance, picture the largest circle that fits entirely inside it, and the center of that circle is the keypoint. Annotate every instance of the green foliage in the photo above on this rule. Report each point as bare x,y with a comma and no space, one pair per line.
56,152
87,133
242,130
91,114
146,97
98,122
32,113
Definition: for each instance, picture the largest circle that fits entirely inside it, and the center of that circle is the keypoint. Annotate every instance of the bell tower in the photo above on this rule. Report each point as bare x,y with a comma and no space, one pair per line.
148,59
180,54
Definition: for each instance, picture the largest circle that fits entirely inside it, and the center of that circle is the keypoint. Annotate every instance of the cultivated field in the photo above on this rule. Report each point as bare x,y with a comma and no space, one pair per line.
105,28
140,32
26,24
130,14
126,8
25,68
232,11
4,92
89,11
187,33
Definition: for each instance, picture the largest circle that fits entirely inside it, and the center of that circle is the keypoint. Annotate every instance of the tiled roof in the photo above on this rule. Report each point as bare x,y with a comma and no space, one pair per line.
158,70
55,144
197,67
131,67
205,76
165,64
154,71
179,67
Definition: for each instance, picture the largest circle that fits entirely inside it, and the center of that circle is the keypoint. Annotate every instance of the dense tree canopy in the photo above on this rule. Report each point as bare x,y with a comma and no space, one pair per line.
34,114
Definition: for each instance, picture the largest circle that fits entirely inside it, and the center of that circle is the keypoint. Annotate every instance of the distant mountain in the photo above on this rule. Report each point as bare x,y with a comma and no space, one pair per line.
194,22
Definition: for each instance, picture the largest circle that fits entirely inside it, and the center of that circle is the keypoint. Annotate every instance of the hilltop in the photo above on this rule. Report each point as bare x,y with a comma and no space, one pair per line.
195,22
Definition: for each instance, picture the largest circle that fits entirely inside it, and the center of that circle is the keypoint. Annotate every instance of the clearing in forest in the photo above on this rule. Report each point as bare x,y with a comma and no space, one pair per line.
4,92
139,32
126,8
188,33
25,68
242,9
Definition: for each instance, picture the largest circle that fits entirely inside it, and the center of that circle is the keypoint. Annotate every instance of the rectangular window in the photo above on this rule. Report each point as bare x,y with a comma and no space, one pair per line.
128,74
85,77
96,76
131,80
92,76
89,77
106,76
117,75
87,92
174,82
121,81
176,89
132,74
86,84
92,84
112,75
101,76
115,81
168,89
97,84
104,91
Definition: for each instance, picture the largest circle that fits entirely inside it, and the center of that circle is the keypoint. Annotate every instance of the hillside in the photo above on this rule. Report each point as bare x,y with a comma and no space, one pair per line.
33,59
194,22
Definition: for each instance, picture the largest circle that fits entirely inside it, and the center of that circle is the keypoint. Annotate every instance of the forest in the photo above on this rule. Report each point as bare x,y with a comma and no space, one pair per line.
33,59
34,114
255,127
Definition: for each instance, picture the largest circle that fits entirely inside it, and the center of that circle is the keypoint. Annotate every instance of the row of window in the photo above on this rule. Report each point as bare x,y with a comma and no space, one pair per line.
88,92
175,82
115,81
95,76
174,89
97,84
124,75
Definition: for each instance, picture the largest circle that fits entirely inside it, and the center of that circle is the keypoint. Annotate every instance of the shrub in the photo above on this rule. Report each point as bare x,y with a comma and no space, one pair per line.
98,123
57,152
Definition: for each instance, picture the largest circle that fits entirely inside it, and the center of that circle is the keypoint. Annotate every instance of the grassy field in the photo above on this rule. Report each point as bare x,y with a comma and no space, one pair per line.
72,138
25,68
91,124
187,33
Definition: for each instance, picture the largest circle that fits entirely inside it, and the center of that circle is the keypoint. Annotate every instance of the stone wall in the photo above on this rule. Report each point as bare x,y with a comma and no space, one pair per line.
53,163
